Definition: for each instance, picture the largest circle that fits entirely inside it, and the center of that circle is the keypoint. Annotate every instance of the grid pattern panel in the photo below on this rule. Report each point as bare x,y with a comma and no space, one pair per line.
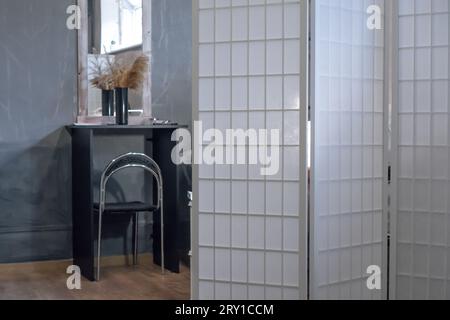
249,77
348,150
423,151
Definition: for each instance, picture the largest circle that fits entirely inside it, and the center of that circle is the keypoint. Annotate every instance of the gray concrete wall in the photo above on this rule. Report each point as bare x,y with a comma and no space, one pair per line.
172,60
37,99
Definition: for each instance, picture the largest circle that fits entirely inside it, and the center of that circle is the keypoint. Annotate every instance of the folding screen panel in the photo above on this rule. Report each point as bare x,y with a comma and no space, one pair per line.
421,251
347,171
250,230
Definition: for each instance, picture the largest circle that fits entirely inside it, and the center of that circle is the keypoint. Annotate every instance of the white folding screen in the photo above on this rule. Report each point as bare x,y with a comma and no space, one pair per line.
347,170
421,251
250,72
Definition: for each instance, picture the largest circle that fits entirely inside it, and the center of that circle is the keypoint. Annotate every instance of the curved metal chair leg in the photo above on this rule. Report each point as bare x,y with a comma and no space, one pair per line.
99,244
162,238
136,240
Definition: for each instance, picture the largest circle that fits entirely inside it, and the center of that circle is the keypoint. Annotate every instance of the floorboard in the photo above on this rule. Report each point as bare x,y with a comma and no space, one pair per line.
47,281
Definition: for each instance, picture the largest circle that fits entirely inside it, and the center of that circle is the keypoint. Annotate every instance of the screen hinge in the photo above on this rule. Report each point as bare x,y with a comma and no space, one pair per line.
389,175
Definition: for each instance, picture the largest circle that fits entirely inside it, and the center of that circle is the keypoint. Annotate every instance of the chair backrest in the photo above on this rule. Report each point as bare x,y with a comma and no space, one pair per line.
131,160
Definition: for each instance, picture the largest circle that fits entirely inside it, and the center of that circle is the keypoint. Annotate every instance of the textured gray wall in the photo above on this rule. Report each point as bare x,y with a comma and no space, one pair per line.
37,99
172,60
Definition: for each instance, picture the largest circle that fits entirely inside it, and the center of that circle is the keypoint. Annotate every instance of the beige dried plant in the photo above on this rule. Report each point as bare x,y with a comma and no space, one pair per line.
101,72
127,71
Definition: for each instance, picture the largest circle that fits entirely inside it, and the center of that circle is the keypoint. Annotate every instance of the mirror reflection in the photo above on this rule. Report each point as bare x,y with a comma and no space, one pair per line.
115,36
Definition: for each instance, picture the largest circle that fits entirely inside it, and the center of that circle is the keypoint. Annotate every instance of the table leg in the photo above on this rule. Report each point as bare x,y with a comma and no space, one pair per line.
162,151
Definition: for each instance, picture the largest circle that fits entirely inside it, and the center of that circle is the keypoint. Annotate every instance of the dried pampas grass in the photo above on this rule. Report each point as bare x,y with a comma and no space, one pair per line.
101,72
129,70
134,77
122,73
104,82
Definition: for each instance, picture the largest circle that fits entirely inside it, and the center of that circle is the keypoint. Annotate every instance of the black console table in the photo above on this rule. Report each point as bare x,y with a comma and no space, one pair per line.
158,139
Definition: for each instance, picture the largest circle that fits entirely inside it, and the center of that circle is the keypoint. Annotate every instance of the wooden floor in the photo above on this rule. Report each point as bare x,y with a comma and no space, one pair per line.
47,281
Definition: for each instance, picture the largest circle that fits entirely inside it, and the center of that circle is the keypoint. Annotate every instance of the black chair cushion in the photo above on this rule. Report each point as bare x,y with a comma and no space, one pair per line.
126,207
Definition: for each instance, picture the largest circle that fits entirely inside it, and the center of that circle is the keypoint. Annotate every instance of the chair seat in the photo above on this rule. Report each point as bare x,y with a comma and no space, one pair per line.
126,207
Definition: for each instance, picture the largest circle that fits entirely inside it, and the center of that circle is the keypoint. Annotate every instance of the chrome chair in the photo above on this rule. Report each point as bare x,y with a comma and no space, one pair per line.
130,160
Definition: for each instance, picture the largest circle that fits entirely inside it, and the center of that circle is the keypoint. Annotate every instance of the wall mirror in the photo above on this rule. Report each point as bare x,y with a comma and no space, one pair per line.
112,30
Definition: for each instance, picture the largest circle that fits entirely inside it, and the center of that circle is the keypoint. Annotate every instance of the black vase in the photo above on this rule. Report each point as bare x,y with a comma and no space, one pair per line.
108,103
122,106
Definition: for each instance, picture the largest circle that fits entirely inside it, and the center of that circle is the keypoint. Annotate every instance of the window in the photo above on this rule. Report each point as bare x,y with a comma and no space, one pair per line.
121,24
